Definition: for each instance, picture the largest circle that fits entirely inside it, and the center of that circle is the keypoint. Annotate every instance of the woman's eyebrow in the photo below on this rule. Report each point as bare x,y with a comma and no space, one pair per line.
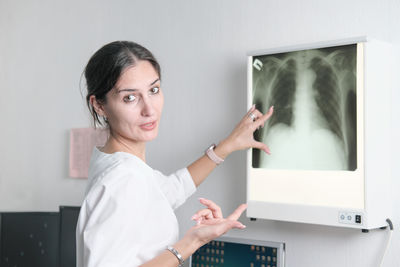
155,81
126,90
133,90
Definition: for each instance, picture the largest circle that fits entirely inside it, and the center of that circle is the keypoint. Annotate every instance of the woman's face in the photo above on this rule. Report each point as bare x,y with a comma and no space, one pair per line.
133,107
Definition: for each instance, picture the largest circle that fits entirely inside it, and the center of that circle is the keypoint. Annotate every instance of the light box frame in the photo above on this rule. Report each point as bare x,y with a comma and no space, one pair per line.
374,201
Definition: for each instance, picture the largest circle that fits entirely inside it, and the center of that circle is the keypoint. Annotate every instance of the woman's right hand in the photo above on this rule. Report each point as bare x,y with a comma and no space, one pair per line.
242,135
211,224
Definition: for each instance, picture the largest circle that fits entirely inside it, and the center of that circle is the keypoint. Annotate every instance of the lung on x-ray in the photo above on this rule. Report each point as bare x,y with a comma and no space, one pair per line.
314,125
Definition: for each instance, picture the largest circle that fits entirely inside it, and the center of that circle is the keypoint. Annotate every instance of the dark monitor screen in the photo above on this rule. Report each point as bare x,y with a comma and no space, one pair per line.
239,252
68,219
29,239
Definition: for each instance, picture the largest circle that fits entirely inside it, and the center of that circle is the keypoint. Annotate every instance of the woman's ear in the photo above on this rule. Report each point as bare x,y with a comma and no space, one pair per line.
97,106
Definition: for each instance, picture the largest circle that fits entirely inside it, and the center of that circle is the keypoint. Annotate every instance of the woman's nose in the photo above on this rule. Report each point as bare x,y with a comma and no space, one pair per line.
147,109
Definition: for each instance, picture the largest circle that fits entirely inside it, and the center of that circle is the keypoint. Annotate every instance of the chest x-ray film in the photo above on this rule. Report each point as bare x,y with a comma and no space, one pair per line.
316,131
314,97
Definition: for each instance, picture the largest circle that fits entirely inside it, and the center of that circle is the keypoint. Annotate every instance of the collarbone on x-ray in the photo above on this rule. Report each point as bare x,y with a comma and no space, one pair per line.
314,95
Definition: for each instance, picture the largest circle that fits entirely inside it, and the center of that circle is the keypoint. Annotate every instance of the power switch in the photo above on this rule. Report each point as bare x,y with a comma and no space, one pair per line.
351,217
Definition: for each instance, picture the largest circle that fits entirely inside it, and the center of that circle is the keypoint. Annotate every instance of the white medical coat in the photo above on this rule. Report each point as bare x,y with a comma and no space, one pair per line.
127,216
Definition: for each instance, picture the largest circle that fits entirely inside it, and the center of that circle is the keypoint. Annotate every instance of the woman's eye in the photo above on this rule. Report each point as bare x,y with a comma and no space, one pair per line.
155,90
129,98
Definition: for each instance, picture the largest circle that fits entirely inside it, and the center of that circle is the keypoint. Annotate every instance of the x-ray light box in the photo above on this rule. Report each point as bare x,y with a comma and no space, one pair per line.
329,135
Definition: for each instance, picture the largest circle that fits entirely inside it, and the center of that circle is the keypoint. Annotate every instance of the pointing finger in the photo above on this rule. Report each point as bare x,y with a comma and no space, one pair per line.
266,116
236,214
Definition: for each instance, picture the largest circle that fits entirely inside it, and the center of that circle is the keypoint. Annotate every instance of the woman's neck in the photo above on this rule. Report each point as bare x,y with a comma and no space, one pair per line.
120,144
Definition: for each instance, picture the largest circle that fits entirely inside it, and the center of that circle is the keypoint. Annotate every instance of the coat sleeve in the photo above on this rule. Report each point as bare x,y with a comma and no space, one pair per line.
176,187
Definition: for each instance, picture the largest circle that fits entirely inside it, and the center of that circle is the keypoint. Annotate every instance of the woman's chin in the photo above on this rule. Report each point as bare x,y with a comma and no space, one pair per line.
150,136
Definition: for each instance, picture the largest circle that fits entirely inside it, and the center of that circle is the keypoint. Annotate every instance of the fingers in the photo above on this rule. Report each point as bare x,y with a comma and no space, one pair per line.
268,114
263,118
204,214
215,209
209,215
250,114
224,223
211,228
262,147
227,225
255,115
236,224
236,214
253,107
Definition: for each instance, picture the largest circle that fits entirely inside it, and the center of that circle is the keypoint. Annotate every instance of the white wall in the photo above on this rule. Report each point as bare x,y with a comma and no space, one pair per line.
202,45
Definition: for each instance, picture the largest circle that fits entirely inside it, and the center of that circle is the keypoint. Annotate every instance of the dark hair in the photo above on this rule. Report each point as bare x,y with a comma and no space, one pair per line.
106,66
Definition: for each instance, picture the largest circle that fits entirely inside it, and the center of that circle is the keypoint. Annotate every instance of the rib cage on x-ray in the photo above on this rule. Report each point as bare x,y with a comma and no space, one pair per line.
314,97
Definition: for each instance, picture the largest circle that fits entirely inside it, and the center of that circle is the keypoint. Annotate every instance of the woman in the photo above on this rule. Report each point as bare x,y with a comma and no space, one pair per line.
127,217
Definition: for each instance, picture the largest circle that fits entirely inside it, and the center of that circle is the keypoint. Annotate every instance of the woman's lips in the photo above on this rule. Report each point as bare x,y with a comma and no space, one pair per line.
149,126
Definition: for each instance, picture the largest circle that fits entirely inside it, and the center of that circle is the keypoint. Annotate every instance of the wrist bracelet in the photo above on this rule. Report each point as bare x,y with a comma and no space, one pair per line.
211,155
177,255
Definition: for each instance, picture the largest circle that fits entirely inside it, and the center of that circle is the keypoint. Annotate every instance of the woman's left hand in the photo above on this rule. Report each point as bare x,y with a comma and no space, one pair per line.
211,224
213,211
242,136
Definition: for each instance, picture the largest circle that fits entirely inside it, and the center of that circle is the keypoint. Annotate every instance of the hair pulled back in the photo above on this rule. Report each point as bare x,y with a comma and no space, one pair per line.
106,66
